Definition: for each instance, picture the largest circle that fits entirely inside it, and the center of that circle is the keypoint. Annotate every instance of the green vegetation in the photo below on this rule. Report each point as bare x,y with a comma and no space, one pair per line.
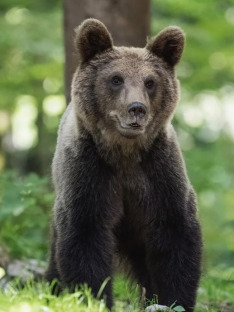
25,210
214,295
32,101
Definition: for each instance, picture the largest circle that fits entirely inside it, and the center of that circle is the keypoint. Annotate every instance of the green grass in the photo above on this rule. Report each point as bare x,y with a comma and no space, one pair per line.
214,295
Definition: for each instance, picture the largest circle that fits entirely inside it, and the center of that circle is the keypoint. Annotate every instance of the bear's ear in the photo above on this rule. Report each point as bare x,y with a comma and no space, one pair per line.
168,44
92,37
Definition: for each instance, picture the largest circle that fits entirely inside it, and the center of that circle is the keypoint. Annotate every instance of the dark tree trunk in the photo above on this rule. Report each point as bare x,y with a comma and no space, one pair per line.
127,20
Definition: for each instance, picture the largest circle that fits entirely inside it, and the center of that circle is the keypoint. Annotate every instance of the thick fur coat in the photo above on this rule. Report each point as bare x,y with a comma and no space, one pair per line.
119,175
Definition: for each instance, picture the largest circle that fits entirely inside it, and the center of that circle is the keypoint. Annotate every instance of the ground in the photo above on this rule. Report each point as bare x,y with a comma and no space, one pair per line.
214,295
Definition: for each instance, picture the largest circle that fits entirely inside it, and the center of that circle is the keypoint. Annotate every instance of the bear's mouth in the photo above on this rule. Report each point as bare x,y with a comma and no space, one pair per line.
135,125
128,130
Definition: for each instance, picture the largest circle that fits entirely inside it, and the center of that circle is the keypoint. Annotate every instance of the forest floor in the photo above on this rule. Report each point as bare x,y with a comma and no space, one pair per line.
214,295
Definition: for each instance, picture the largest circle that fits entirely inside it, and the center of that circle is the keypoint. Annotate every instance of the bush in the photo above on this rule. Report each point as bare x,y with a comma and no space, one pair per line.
25,205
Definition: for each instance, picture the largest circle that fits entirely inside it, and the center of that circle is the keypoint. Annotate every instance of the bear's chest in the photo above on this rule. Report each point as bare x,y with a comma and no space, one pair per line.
135,187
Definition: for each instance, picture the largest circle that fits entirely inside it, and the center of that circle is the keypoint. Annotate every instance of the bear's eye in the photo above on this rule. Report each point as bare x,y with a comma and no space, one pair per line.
117,80
149,84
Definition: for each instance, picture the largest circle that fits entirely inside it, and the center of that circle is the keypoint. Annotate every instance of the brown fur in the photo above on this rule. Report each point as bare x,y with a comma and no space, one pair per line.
98,107
168,45
92,38
120,180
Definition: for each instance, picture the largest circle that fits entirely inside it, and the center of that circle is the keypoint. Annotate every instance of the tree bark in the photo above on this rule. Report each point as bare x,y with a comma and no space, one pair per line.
127,20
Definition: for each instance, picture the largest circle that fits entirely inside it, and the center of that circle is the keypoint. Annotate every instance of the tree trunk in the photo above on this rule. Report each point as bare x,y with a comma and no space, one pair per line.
127,20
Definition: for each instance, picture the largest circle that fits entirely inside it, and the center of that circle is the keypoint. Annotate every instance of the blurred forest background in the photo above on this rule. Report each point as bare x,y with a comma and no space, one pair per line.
32,101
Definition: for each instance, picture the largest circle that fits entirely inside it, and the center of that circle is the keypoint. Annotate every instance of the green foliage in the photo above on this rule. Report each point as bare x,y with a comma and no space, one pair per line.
33,5
28,56
214,296
210,168
208,59
25,205
178,309
37,297
31,80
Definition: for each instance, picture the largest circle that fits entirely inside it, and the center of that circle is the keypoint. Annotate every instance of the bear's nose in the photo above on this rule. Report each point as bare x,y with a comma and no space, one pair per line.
136,109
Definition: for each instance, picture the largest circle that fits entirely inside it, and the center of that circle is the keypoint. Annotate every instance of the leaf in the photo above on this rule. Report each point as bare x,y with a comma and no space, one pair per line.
179,309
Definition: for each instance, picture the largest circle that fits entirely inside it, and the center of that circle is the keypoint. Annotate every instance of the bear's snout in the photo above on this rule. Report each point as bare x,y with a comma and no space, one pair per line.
137,112
136,109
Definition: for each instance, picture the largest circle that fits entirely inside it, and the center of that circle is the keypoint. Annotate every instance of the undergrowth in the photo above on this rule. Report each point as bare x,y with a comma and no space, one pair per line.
214,295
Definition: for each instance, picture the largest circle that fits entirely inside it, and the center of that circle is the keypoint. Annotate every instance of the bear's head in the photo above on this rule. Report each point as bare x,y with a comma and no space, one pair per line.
125,95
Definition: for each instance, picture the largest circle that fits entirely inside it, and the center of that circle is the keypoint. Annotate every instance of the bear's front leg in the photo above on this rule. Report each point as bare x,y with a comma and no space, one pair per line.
84,256
174,261
173,240
85,212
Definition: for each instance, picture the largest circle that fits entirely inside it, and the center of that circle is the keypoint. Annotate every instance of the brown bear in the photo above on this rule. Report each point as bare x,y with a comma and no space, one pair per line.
121,185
